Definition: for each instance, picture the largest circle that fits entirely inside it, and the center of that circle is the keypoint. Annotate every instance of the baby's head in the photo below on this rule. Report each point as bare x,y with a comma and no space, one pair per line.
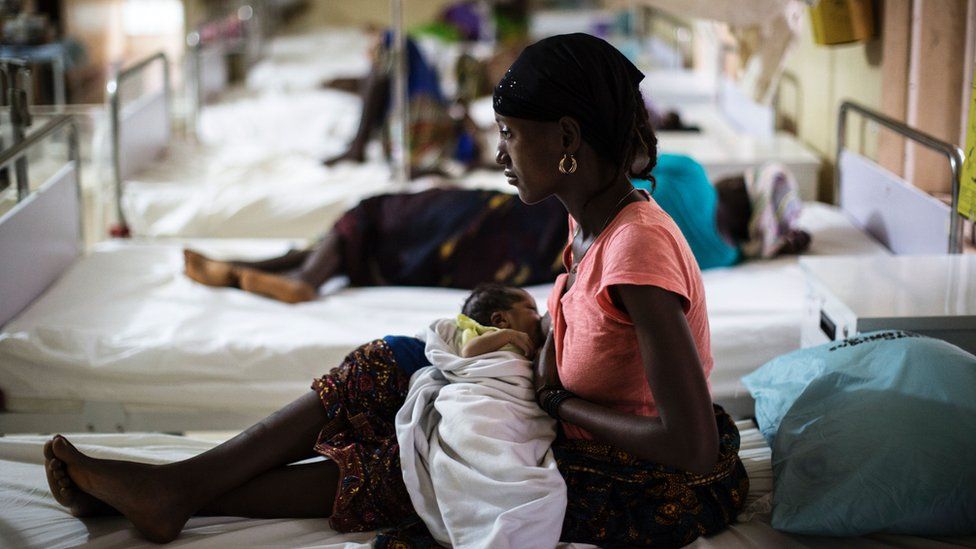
502,306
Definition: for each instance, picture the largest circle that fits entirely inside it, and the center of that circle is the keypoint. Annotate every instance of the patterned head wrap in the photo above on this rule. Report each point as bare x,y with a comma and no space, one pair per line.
575,75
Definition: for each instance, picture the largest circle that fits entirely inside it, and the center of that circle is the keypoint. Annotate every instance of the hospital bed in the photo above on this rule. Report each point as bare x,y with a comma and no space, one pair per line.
255,171
736,134
30,517
124,341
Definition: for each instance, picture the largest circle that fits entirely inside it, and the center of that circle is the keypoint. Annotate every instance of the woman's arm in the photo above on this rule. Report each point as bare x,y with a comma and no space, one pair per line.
492,341
684,435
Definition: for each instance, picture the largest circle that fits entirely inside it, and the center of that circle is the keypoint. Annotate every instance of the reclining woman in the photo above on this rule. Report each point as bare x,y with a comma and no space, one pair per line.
461,238
454,238
646,457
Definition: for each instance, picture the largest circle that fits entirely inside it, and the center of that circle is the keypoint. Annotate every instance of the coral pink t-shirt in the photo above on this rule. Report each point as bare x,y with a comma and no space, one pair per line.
596,346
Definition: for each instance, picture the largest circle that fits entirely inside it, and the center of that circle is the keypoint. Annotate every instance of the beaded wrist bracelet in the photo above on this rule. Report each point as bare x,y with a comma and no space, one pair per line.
552,398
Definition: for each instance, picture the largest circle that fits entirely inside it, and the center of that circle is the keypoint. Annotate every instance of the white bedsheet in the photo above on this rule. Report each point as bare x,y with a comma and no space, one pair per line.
30,518
234,192
303,61
317,122
125,325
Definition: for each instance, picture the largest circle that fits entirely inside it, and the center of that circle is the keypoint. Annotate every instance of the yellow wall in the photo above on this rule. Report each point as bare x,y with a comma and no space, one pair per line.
827,75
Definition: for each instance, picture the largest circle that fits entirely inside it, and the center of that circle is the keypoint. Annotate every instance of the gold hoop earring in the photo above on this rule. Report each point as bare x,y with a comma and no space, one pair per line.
572,164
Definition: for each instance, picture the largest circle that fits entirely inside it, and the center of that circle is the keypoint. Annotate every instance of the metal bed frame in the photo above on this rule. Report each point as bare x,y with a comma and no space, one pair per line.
952,153
114,99
250,44
17,292
15,76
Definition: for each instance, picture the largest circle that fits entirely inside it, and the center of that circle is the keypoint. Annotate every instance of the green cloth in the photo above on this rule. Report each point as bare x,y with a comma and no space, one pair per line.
469,329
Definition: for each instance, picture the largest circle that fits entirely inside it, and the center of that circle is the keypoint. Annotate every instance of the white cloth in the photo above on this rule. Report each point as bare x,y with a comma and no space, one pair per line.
474,449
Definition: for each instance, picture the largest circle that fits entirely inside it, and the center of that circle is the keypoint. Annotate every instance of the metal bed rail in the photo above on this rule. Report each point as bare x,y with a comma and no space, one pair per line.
953,153
113,90
15,75
18,150
249,43
16,153
678,33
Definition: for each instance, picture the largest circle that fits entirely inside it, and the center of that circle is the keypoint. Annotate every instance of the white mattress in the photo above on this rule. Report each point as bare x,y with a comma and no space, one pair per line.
236,192
303,61
29,516
315,122
124,325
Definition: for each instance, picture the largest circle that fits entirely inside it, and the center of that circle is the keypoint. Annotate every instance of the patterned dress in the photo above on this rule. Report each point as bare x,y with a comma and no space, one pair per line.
452,238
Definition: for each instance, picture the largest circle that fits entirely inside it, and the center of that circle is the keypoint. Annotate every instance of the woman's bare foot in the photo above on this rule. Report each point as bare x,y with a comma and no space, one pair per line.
282,288
209,271
65,492
141,492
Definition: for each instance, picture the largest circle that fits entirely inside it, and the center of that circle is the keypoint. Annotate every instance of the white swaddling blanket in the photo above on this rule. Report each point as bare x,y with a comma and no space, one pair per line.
474,449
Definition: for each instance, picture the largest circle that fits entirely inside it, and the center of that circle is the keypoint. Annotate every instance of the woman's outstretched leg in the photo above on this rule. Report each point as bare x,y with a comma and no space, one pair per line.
375,93
159,499
302,284
213,272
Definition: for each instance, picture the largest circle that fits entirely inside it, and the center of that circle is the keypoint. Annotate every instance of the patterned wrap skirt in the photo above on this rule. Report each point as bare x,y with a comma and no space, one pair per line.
456,238
361,397
615,499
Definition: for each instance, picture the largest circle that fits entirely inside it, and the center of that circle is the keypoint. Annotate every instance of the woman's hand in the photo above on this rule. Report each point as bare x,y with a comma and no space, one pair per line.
546,376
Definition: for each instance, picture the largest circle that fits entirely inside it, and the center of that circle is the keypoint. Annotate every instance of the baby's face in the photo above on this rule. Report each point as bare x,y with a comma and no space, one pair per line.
524,317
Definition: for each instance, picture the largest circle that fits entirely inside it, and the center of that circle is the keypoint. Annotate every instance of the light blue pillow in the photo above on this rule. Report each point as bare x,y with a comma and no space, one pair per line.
873,434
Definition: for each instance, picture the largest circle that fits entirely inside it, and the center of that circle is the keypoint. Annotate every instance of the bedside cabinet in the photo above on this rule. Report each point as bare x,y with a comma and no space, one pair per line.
930,295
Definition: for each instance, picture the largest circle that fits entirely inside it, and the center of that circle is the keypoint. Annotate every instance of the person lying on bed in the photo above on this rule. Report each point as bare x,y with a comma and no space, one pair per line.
646,457
456,238
441,139
753,216
460,238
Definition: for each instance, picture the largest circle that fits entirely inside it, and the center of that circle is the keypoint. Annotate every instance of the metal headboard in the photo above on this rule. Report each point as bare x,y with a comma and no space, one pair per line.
113,90
42,234
953,153
249,44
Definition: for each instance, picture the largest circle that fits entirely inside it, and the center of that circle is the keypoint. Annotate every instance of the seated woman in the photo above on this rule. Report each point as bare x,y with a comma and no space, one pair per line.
438,136
454,238
647,459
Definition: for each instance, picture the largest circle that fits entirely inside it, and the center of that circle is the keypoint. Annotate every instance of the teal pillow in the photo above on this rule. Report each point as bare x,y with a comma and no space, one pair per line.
873,434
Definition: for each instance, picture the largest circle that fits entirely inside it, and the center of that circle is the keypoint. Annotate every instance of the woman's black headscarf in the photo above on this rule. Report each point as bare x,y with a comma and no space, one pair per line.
575,75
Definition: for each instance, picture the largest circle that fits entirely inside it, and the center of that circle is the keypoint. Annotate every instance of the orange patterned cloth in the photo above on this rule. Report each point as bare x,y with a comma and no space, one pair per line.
362,396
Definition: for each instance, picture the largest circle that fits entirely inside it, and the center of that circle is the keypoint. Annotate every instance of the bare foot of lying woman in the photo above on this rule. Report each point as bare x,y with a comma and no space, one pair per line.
282,278
140,492
209,271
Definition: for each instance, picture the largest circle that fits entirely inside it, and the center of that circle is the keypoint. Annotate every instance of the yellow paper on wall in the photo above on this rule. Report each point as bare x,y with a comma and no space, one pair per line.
967,185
